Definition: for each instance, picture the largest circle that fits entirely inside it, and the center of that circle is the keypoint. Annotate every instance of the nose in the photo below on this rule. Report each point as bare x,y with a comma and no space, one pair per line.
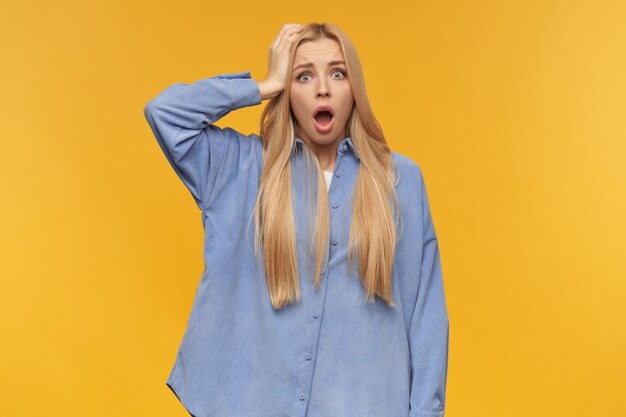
322,89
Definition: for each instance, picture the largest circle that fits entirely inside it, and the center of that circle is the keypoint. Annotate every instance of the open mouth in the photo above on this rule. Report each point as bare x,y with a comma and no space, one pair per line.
323,117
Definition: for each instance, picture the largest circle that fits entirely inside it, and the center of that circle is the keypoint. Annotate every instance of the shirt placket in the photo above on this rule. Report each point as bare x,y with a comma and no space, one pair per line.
316,307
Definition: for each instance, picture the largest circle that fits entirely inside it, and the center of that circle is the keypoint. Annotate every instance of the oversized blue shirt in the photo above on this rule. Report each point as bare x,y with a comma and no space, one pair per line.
332,354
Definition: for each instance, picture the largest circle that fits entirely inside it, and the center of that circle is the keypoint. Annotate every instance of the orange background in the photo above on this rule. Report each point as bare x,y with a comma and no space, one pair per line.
515,111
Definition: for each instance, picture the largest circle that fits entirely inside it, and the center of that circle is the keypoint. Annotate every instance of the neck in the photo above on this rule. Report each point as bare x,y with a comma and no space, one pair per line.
326,153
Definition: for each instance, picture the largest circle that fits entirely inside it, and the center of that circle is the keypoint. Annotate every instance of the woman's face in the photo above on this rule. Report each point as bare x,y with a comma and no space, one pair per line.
319,78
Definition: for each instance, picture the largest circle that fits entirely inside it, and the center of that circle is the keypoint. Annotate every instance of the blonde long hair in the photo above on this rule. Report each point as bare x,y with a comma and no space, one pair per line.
373,229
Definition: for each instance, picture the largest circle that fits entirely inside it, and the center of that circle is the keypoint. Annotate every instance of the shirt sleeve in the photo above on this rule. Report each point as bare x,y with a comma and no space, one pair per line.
429,330
181,118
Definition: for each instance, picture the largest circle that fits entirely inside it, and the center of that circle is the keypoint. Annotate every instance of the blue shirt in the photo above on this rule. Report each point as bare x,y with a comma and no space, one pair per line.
332,354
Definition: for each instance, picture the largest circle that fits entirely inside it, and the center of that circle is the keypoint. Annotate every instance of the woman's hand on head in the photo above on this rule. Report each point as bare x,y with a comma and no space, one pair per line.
276,77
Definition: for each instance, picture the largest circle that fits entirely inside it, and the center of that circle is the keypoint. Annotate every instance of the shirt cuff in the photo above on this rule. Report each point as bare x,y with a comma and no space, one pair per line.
419,414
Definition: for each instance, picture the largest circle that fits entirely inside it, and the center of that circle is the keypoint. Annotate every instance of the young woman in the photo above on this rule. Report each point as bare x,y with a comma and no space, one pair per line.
333,304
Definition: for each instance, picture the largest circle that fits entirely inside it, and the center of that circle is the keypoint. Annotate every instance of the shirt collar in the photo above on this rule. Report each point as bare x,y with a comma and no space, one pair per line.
344,145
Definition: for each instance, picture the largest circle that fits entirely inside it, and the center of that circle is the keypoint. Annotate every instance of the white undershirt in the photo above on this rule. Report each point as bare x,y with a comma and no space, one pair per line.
328,175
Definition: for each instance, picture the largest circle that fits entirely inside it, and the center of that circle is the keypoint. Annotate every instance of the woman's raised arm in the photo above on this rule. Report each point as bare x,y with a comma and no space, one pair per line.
181,118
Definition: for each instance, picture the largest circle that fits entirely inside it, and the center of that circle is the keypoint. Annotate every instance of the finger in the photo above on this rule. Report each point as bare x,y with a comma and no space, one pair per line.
285,30
288,38
285,40
288,28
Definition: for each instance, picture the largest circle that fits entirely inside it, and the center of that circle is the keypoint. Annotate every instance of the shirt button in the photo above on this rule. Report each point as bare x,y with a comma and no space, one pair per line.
337,174
345,147
334,242
308,356
301,397
335,205
315,314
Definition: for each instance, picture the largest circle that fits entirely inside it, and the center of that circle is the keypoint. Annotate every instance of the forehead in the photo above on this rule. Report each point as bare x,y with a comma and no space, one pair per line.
318,50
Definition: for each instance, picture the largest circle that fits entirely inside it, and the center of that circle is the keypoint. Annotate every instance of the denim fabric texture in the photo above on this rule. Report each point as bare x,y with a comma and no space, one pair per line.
332,354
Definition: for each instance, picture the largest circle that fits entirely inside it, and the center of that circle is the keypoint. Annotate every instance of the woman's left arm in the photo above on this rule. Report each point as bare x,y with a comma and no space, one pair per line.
429,330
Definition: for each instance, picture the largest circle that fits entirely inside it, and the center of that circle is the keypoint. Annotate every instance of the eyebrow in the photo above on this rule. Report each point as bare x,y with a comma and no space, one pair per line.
310,64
